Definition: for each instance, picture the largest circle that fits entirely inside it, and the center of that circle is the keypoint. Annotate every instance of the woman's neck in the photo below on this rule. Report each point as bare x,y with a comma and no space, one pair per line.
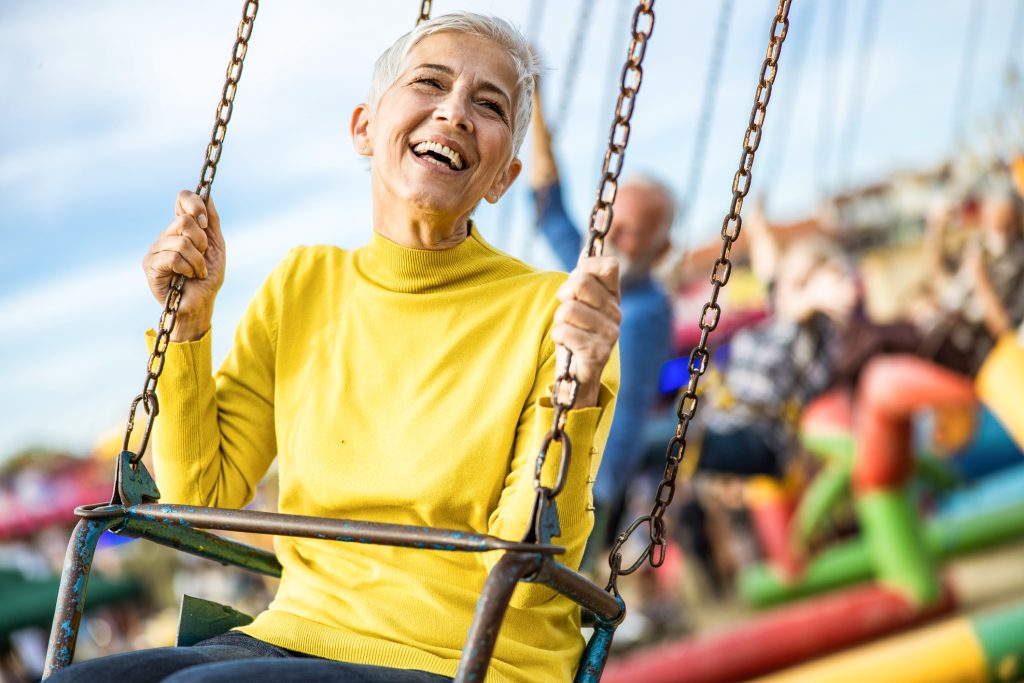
415,229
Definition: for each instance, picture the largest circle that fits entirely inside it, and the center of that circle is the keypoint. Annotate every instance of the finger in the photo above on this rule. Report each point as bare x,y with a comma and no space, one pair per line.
604,268
186,226
184,247
584,317
588,290
164,263
190,203
590,351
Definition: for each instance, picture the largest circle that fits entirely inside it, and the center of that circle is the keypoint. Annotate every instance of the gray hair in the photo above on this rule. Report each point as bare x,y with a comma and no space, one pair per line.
388,66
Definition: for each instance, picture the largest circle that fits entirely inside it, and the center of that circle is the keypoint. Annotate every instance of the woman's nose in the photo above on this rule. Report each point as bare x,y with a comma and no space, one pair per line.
455,110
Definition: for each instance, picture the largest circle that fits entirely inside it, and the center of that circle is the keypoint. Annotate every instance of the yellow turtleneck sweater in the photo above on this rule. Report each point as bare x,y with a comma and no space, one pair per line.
394,385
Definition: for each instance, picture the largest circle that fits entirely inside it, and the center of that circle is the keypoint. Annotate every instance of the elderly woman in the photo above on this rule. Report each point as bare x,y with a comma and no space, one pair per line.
407,381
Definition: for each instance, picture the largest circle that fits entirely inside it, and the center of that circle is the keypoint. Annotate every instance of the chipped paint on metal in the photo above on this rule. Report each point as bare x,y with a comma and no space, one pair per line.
596,653
74,583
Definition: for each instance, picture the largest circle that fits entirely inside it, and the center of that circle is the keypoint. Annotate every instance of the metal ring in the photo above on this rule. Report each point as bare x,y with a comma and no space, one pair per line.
99,511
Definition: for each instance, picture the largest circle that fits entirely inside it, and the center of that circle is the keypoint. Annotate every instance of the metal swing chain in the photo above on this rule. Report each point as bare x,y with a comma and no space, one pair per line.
600,221
572,69
155,365
424,11
699,357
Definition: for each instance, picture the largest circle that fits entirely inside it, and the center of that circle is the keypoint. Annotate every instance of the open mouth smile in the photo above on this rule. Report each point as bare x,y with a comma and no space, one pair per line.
438,154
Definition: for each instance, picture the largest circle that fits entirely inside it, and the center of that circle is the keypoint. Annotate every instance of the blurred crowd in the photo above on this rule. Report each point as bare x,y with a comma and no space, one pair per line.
835,308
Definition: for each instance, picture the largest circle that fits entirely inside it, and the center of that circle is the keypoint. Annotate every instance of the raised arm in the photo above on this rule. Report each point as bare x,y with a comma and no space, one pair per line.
764,248
543,167
997,320
552,220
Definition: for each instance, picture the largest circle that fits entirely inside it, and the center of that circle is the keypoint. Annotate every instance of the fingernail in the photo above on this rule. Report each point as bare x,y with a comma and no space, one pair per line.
202,220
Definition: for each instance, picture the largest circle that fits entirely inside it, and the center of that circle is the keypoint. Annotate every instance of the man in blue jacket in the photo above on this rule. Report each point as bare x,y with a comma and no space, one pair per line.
644,211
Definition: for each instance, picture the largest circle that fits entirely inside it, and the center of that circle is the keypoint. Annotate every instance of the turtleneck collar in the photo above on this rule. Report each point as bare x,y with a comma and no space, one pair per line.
416,271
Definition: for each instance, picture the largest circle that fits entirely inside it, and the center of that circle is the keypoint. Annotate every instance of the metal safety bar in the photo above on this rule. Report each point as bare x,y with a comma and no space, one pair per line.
328,528
182,527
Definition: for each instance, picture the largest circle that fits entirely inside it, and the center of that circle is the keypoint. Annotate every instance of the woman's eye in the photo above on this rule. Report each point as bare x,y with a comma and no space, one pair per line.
432,82
493,106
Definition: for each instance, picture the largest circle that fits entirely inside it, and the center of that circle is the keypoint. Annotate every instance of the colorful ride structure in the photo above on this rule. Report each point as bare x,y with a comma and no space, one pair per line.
887,579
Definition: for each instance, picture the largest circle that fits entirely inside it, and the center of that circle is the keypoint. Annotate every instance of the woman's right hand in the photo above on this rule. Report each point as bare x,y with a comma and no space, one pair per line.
193,246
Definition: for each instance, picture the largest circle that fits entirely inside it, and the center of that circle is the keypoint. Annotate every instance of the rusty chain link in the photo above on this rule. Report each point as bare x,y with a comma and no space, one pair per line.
424,11
600,220
710,314
155,365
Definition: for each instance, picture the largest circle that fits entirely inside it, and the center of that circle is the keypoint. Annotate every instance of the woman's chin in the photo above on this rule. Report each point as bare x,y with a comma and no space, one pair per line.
435,202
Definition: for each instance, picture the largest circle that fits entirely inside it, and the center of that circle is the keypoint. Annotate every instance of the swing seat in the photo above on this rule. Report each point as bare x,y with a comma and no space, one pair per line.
201,619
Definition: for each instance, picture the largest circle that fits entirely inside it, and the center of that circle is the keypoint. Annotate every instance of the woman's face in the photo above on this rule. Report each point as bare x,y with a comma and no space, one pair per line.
440,137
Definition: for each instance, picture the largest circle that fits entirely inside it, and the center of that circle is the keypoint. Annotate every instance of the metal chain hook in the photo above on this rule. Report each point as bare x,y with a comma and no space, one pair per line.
654,550
169,316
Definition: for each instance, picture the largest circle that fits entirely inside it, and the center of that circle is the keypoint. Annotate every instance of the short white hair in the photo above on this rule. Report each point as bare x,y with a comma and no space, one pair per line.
388,66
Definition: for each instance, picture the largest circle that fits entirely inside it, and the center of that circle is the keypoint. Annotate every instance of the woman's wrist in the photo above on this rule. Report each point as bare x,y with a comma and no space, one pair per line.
586,395
191,327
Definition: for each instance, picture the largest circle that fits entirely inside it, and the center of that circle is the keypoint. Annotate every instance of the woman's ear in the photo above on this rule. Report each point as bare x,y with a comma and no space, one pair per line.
504,181
360,130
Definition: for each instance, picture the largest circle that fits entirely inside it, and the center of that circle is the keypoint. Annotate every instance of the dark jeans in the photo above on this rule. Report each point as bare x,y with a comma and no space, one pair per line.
230,658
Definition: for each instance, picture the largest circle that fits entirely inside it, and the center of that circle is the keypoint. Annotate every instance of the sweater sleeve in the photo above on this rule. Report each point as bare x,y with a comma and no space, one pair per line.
556,226
587,429
215,436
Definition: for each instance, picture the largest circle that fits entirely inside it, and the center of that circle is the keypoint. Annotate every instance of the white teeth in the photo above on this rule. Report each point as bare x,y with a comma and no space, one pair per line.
438,148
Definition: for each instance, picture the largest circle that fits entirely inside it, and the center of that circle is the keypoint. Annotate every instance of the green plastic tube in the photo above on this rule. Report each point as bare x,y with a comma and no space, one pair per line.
850,562
895,540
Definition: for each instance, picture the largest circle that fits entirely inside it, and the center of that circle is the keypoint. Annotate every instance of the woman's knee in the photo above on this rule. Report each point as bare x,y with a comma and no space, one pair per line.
126,667
145,666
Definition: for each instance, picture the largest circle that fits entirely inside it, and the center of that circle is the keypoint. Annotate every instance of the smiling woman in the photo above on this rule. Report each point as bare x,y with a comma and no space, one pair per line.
372,376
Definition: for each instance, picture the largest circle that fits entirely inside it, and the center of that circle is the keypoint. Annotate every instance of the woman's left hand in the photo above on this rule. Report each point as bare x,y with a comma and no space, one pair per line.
587,322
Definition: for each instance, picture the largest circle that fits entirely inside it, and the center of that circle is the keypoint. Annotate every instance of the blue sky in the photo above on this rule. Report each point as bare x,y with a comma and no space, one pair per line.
107,107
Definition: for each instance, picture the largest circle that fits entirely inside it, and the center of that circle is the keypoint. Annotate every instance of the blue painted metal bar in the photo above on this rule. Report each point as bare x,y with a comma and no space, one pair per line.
490,612
202,543
595,655
74,582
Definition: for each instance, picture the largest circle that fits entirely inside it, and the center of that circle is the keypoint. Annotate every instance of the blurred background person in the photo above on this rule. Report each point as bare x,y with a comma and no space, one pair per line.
644,211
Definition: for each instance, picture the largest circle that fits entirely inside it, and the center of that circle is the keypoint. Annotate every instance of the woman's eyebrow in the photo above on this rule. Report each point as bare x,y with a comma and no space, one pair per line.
448,71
